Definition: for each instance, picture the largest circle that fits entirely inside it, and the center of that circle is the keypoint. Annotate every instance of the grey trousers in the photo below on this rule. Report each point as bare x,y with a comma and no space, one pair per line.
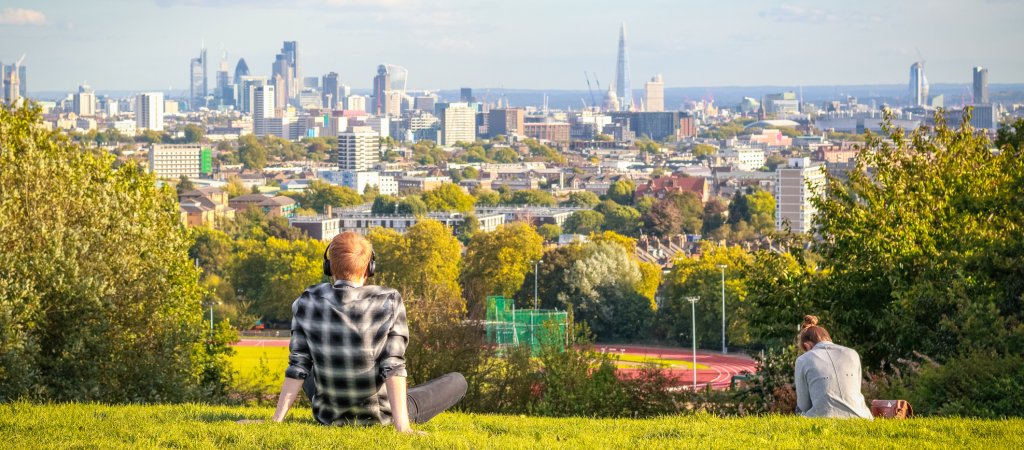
424,400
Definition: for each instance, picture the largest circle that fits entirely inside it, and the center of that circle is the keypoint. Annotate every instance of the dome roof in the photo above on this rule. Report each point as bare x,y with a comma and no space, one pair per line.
774,123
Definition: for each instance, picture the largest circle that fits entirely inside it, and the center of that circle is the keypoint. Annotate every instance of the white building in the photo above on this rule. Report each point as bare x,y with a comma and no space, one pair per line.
363,222
149,111
125,127
171,161
358,149
355,103
654,94
747,159
85,101
360,180
263,109
795,185
458,124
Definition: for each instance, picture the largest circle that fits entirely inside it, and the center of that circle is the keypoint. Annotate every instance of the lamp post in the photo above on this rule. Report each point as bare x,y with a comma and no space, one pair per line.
693,314
724,349
535,297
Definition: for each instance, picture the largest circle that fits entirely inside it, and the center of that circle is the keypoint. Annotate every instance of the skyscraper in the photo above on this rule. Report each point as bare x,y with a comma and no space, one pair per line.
281,94
918,85
263,106
357,149
329,90
291,52
281,69
224,91
980,85
654,94
198,84
622,89
381,85
466,95
84,101
796,185
241,70
12,85
246,85
458,124
149,111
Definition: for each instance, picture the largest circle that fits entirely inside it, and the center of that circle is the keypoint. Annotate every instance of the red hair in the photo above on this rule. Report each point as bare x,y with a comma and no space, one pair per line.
811,332
350,255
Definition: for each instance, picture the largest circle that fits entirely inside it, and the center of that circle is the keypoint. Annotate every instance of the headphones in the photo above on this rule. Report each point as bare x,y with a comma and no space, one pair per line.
370,268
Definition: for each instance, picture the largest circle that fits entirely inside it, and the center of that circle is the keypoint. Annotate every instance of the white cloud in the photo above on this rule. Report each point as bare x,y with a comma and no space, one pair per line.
19,16
799,14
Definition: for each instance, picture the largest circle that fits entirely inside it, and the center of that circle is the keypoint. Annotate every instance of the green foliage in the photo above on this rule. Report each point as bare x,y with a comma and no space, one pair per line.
497,262
448,197
727,129
675,214
98,298
976,385
184,185
600,287
578,381
534,197
408,205
773,161
427,153
1011,135
703,151
423,265
621,219
487,197
320,194
251,152
550,232
274,273
584,222
548,154
585,199
756,208
702,278
252,223
924,252
622,191
193,134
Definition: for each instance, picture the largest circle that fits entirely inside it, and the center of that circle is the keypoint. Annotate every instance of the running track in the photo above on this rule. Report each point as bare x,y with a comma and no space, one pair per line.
719,373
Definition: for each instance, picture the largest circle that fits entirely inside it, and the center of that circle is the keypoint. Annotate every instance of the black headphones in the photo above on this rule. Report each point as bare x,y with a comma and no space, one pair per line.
370,268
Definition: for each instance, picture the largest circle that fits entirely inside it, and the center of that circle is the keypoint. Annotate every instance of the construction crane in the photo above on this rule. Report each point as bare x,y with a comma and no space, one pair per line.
593,100
598,83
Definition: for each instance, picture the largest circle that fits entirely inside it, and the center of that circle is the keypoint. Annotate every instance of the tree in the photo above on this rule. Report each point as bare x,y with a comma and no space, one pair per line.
600,288
99,301
713,218
251,152
918,250
584,222
184,185
273,273
675,214
497,262
622,191
384,204
703,151
423,265
320,194
448,197
412,205
193,134
773,162
584,199
1011,135
550,232
529,197
487,197
702,278
621,219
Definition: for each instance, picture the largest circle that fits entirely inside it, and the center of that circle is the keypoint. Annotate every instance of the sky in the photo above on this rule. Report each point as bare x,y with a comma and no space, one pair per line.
524,44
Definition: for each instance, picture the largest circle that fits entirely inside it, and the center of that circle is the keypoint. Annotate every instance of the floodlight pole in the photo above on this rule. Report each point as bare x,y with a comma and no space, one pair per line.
535,297
693,314
724,349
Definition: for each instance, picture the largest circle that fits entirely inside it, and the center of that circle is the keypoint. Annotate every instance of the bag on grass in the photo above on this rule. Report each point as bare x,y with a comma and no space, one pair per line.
891,409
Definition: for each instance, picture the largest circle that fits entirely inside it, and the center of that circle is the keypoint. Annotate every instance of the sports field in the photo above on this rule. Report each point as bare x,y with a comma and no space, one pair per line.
713,368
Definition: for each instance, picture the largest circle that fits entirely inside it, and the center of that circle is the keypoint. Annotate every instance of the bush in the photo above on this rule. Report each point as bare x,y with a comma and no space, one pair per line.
977,385
99,300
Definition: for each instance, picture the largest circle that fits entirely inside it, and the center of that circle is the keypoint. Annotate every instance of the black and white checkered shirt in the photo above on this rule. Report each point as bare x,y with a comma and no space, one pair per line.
351,339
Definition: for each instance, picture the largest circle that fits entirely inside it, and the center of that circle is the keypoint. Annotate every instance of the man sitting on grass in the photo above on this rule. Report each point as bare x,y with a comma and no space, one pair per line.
347,349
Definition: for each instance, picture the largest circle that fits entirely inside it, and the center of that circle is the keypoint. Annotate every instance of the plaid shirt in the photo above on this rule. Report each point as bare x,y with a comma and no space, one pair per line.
351,339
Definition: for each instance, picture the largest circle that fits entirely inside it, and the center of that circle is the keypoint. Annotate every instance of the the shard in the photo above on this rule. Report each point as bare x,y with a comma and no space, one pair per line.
622,89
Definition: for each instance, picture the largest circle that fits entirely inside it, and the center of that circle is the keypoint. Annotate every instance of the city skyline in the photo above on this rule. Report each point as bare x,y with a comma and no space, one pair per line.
745,43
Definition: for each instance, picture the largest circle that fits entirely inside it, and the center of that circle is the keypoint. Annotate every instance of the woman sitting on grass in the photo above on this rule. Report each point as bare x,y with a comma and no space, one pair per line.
828,376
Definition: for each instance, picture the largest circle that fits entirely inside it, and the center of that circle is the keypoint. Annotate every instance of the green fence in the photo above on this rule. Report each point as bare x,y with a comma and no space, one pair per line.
507,326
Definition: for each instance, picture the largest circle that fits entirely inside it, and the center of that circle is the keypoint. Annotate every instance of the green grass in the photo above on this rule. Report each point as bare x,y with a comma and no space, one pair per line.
25,425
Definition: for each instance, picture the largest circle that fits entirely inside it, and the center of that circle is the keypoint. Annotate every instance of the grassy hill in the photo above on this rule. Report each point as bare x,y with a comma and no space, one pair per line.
25,425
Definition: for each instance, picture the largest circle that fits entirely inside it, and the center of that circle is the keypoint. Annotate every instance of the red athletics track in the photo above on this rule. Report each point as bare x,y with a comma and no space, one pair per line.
719,373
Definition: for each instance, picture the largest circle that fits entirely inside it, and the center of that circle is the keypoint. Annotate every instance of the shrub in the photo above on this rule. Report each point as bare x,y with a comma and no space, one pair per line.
977,385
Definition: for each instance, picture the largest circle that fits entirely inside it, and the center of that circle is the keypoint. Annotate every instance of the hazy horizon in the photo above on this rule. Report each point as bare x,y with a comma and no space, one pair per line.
127,45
